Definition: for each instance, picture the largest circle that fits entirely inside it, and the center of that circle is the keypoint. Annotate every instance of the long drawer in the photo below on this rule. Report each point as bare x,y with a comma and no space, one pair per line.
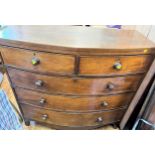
73,103
38,61
114,65
74,86
72,119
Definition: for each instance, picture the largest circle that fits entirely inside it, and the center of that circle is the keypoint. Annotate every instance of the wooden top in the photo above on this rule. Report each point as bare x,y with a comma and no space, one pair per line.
74,38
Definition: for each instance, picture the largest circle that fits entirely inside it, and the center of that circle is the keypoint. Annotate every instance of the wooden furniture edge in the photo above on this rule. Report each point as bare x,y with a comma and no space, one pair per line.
138,94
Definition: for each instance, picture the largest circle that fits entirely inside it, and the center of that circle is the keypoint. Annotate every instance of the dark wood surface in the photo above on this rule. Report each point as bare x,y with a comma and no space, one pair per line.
74,69
105,65
73,39
72,119
73,103
48,63
74,86
66,64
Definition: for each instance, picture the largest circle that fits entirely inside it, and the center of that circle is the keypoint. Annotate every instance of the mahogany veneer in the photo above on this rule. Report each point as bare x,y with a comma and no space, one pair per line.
73,103
93,119
74,77
73,86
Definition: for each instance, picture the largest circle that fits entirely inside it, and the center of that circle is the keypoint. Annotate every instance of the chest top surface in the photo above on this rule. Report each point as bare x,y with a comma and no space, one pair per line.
74,38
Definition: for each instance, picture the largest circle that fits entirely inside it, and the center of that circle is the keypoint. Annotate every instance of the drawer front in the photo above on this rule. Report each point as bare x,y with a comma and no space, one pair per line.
114,65
66,85
38,61
73,103
72,119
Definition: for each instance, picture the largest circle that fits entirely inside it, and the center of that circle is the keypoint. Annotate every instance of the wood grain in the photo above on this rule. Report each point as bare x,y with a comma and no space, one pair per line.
74,86
75,72
73,103
72,119
105,65
76,40
49,63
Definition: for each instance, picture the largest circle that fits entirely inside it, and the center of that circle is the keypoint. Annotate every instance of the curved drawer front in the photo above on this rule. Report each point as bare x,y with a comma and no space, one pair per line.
72,103
72,119
66,85
114,65
37,61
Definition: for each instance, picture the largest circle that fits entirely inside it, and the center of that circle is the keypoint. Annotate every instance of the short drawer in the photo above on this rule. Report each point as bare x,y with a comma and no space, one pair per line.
113,65
38,61
73,103
72,119
73,86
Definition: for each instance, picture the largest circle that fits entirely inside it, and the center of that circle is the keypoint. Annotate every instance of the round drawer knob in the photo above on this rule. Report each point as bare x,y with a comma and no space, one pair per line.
35,61
117,66
42,101
44,117
39,83
110,86
99,119
104,104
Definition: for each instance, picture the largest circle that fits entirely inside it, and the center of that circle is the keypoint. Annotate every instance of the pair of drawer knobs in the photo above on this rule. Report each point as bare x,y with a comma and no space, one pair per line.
36,61
42,101
40,83
98,120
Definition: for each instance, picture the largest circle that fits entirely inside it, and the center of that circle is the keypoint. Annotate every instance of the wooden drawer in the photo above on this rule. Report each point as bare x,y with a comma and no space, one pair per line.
73,103
72,119
45,62
66,85
110,65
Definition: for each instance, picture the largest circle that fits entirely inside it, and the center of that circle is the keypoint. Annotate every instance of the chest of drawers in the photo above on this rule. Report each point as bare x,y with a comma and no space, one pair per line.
71,77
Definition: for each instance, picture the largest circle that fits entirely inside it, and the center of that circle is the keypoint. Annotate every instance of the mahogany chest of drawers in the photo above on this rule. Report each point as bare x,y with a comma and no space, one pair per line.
72,77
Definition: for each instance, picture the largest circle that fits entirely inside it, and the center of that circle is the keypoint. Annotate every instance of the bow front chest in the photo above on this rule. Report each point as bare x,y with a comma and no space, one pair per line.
72,77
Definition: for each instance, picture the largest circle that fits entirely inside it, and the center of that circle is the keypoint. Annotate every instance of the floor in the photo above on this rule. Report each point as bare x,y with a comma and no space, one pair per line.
6,86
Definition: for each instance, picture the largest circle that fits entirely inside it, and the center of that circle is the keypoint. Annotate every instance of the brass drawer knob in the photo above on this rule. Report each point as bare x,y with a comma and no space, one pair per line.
42,101
110,86
35,61
44,117
39,83
99,119
117,66
104,104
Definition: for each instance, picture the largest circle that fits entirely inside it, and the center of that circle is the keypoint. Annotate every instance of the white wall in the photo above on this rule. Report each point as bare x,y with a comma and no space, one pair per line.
152,34
146,30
